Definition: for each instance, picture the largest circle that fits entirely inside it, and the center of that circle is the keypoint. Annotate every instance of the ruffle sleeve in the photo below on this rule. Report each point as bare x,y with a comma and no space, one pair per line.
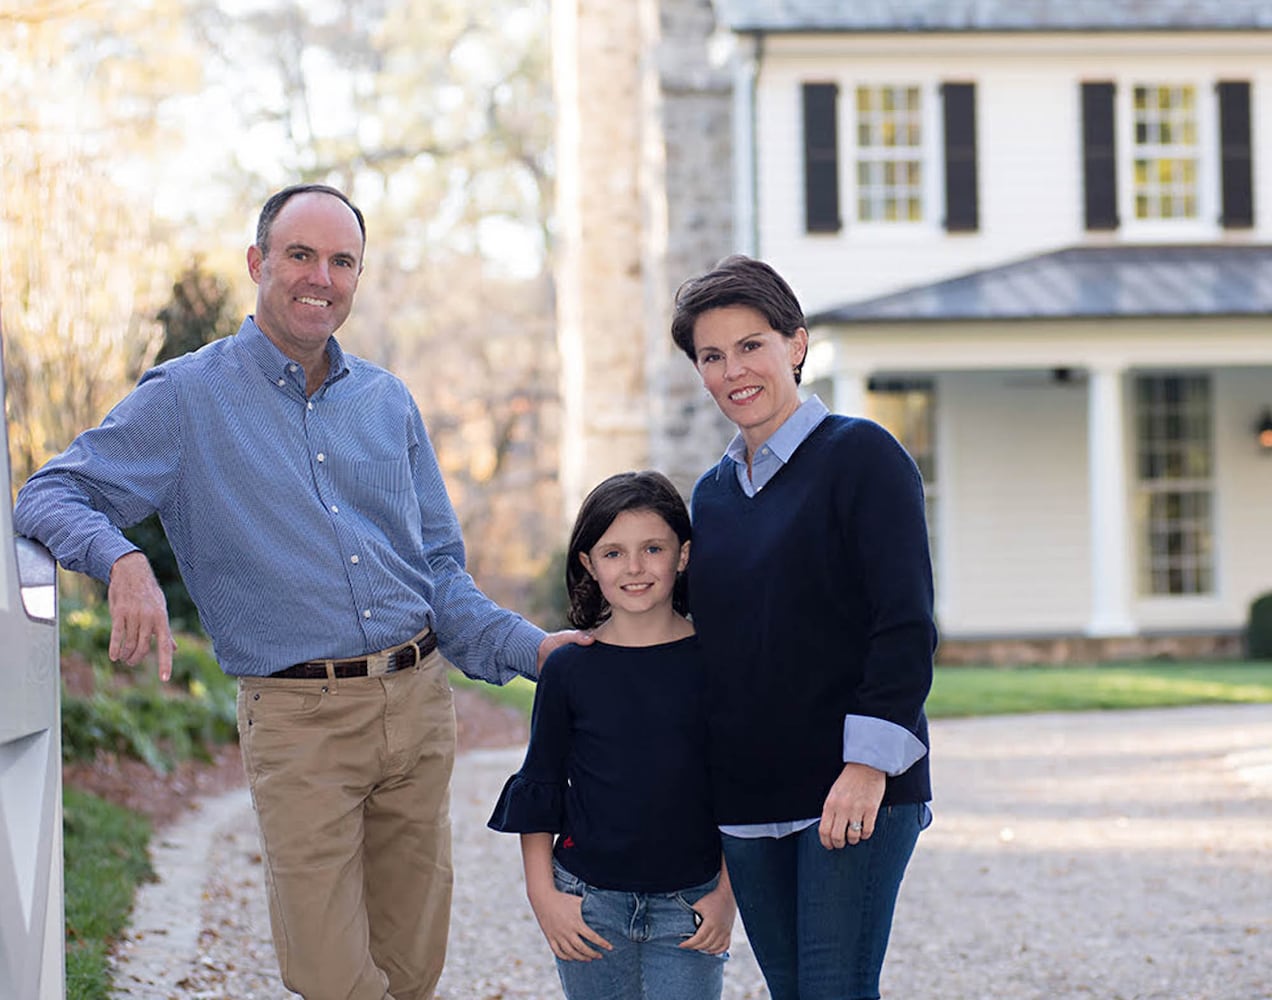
529,806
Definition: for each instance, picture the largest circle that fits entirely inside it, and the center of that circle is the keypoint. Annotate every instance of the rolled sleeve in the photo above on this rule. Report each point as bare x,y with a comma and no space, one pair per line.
880,744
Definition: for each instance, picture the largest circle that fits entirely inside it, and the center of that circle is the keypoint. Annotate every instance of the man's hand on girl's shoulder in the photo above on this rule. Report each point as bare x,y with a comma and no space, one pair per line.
555,640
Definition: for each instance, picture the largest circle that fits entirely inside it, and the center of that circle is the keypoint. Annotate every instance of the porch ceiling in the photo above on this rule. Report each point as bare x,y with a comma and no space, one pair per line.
1122,282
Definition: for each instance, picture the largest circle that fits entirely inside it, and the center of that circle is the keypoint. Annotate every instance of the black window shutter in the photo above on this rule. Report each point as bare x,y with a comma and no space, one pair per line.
962,212
1234,144
821,158
1099,163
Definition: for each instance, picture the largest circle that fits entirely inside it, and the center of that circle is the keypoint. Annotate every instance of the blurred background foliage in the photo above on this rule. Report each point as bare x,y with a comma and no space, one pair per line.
140,141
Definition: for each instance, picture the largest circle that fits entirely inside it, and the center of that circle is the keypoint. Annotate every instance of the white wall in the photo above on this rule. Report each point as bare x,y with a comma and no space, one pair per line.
1029,147
1014,525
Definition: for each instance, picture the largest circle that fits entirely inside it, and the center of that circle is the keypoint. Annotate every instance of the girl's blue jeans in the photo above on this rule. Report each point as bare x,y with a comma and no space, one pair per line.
646,929
818,920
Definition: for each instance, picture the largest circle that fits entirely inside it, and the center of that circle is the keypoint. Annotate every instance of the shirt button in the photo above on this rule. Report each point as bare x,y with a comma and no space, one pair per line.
322,457
335,509
291,368
367,613
311,406
282,381
354,560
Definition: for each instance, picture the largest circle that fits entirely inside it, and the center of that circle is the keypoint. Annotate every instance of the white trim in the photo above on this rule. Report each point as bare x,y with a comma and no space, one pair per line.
746,68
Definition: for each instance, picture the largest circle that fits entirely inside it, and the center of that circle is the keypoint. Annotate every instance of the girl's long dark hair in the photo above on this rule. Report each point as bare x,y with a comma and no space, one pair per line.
646,490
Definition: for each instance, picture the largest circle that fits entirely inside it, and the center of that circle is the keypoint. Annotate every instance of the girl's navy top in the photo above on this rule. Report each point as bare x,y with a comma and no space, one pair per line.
617,767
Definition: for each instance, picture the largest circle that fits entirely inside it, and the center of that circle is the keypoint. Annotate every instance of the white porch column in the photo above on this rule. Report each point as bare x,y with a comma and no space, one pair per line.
1110,530
850,392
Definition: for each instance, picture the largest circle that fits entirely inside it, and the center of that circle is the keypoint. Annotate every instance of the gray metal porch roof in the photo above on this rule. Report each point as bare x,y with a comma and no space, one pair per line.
1086,282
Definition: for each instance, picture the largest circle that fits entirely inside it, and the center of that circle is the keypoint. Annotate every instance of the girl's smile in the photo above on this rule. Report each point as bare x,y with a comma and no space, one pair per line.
635,563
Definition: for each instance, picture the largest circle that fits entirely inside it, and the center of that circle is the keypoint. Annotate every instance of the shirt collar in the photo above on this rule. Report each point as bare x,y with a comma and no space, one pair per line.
275,364
783,441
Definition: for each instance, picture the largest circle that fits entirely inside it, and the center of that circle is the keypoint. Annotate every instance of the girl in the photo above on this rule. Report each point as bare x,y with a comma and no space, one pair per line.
633,898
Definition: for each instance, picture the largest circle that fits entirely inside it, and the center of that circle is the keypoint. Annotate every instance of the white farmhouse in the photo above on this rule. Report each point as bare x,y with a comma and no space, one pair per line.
1034,238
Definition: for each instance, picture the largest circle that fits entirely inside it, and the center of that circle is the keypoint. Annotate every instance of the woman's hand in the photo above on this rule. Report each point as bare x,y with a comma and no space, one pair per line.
848,817
560,917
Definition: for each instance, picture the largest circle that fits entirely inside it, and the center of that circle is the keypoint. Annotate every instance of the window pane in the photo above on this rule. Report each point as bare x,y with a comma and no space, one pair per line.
889,141
1175,460
1164,131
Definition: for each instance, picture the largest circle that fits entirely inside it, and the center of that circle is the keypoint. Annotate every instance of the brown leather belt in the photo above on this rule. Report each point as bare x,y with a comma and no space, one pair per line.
387,662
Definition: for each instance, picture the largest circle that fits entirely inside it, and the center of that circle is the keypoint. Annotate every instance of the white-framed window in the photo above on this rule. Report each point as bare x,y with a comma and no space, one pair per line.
1166,152
1175,484
1168,158
889,153
907,408
896,156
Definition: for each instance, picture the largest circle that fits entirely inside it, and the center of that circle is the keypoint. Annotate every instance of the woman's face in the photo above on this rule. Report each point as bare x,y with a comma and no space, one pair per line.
749,369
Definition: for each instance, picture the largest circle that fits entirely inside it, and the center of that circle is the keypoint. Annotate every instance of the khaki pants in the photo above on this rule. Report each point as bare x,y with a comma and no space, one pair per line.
351,784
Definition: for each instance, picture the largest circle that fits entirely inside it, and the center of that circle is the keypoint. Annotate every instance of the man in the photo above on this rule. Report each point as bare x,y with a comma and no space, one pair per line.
305,506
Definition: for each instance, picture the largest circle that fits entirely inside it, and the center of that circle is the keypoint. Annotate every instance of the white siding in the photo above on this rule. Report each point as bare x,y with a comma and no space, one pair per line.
1029,148
1014,490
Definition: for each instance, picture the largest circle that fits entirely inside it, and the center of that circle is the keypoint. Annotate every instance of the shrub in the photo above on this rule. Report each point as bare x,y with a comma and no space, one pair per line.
131,712
1259,629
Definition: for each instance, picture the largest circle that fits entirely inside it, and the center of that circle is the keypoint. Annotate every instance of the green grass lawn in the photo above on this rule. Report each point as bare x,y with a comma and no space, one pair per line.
961,691
105,860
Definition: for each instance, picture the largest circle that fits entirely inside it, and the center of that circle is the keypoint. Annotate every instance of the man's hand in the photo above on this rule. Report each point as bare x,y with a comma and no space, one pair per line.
852,806
554,640
138,613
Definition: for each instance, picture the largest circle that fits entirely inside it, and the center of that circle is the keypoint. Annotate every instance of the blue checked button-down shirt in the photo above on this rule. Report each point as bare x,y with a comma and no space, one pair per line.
305,528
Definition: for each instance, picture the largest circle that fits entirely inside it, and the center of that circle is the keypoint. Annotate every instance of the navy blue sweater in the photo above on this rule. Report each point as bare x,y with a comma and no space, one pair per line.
812,600
617,766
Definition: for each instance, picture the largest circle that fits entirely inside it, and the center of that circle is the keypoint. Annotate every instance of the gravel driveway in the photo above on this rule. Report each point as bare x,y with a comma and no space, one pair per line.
1118,855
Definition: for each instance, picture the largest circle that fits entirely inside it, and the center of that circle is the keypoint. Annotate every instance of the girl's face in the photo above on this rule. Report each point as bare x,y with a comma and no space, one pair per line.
636,561
749,369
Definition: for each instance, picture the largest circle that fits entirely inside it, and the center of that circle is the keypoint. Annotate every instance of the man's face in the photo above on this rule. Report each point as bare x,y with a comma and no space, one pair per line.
305,283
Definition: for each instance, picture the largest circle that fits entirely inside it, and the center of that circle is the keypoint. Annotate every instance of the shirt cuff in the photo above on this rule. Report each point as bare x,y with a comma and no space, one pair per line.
521,653
106,550
883,745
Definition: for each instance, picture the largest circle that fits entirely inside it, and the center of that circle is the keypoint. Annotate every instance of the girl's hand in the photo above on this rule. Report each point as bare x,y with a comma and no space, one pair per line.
852,805
717,910
560,917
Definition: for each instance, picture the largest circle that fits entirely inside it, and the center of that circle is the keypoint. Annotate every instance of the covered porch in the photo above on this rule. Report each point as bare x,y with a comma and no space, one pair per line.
1088,426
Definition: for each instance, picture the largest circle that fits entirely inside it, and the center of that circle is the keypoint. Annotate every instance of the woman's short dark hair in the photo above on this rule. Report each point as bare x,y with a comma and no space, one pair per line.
737,280
276,201
646,490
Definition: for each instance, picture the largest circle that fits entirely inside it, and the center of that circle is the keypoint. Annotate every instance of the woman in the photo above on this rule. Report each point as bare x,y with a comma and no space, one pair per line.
811,590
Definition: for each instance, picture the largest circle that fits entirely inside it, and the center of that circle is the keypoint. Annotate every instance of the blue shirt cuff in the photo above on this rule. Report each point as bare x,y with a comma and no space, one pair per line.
522,653
107,549
880,744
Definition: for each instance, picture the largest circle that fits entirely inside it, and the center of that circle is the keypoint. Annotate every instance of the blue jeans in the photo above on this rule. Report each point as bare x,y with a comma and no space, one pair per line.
646,929
818,920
